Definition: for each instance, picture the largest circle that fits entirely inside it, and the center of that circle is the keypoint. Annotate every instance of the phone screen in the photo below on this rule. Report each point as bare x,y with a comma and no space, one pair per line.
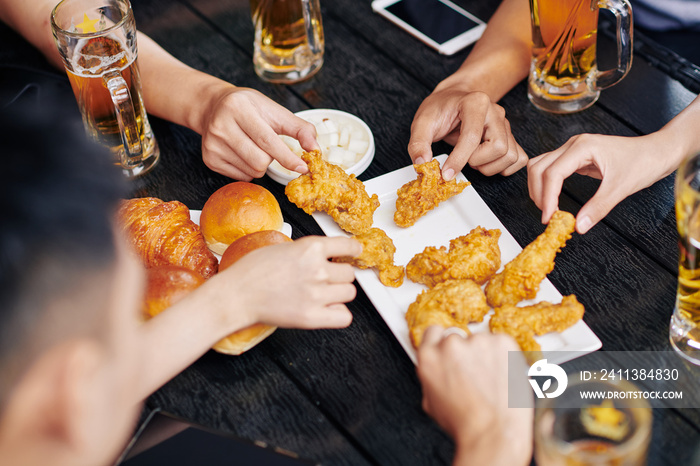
433,18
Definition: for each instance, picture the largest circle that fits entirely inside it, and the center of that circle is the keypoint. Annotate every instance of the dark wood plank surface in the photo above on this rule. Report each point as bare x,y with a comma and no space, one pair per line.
351,396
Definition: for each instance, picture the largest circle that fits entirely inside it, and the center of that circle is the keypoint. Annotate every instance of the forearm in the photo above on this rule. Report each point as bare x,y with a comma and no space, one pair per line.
681,136
176,338
173,90
501,58
32,20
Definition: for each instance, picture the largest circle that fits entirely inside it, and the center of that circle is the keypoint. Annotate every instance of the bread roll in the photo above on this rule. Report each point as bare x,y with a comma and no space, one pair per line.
166,285
235,210
243,340
250,242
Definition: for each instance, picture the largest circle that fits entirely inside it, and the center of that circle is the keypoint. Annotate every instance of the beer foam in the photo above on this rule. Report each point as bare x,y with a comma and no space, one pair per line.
104,63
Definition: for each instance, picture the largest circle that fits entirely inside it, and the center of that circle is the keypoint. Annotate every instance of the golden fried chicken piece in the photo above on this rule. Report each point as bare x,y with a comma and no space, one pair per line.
377,252
424,193
523,323
330,189
521,277
475,256
453,303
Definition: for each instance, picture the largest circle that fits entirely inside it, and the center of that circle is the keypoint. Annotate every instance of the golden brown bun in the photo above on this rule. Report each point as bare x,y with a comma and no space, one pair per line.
166,285
235,210
244,339
250,242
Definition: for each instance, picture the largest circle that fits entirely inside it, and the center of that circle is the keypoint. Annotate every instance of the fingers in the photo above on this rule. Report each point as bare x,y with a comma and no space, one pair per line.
494,141
485,140
471,132
270,144
339,246
597,207
332,316
545,178
245,156
302,131
422,137
340,273
432,336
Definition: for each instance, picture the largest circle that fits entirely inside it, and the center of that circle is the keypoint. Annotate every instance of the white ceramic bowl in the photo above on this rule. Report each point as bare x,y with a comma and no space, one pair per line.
357,130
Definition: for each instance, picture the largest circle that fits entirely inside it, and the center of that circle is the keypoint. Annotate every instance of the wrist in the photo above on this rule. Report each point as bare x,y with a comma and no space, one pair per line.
677,140
463,80
224,307
210,91
671,146
496,445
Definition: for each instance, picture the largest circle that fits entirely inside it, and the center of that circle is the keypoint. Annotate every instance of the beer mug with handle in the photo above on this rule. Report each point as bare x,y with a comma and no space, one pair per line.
289,40
564,77
97,42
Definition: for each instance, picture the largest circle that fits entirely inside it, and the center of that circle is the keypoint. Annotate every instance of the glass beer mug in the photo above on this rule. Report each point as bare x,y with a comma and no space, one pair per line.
97,42
564,77
685,323
289,39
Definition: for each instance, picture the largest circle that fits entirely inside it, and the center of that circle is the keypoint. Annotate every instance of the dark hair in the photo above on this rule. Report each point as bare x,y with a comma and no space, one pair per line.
58,195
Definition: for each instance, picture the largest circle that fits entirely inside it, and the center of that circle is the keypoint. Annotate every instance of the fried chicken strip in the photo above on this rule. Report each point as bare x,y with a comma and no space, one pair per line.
475,256
523,323
521,277
378,253
453,303
429,189
330,189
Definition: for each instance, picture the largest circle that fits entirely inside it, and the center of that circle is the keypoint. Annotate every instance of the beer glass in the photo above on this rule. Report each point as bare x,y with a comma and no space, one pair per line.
97,42
563,74
685,323
289,40
570,430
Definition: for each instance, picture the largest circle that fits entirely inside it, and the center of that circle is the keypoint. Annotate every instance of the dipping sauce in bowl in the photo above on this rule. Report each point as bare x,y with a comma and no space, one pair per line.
345,140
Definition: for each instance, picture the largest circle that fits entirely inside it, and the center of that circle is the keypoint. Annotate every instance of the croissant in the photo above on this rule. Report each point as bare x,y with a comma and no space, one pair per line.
162,233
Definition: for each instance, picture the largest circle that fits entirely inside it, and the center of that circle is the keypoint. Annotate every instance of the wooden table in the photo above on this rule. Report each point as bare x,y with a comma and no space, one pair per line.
351,397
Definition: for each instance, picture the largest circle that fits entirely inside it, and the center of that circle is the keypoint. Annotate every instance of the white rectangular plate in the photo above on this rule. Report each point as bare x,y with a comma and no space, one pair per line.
454,217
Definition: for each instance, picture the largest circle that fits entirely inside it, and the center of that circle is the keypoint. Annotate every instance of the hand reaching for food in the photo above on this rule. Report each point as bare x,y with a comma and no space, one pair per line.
240,134
465,389
476,126
290,285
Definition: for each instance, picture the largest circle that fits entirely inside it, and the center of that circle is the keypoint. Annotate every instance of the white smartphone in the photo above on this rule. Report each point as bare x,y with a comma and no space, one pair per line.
439,23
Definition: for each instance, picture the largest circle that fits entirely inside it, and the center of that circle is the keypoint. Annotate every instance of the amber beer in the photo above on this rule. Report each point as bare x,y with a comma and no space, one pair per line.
564,39
97,43
685,323
563,75
94,59
289,39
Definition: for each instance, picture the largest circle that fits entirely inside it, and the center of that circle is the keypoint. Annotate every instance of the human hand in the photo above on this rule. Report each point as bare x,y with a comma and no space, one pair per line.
240,134
475,126
624,164
293,284
465,389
